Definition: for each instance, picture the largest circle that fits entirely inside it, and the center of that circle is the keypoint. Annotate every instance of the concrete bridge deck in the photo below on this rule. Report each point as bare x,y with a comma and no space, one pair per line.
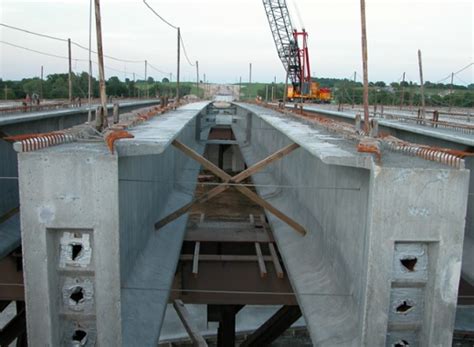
380,262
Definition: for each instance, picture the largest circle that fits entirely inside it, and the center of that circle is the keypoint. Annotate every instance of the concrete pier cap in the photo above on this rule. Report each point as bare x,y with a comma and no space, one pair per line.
380,263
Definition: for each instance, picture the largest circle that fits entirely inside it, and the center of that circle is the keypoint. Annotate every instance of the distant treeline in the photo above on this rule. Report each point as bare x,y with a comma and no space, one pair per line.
347,91
55,86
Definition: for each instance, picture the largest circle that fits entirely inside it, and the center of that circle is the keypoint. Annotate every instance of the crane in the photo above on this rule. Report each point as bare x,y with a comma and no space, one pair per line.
292,48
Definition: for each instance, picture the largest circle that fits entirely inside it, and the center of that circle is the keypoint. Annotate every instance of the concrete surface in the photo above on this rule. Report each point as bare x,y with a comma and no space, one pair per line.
36,122
87,220
437,137
380,264
345,270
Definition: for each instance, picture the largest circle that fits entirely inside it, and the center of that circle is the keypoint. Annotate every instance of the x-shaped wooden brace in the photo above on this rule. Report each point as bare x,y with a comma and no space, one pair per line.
234,181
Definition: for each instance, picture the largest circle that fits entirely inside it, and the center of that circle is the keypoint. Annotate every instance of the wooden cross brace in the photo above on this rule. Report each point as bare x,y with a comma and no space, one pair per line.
234,181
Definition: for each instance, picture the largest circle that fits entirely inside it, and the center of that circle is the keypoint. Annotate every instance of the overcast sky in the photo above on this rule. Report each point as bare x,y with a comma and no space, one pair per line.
225,35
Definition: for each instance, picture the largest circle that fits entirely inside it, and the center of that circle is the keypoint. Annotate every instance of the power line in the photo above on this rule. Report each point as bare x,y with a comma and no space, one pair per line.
460,79
33,33
455,73
184,50
172,26
39,52
464,68
62,57
65,40
160,17
158,70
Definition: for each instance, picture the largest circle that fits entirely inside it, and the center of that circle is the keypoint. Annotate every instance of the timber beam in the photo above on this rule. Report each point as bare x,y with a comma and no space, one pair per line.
233,181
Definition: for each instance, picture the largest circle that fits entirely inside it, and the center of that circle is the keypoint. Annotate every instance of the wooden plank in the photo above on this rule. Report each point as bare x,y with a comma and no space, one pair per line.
191,329
201,160
244,190
261,262
266,205
225,235
224,257
222,224
197,245
276,261
264,162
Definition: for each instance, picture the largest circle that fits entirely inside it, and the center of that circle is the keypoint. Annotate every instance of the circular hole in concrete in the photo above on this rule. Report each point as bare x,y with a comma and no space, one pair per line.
401,343
79,337
77,295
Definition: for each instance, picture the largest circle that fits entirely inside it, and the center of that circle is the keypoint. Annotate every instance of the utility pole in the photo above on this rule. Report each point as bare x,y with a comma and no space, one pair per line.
197,78
250,80
365,66
353,89
273,92
41,84
101,121
70,70
422,85
240,86
89,79
403,91
146,79
451,91
266,93
177,70
6,91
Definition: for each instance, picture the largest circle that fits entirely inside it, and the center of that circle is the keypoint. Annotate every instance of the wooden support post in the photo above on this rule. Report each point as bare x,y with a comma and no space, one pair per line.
197,246
250,81
197,79
402,97
353,89
191,329
236,179
276,261
178,65
102,120
240,87
70,70
41,85
146,79
422,85
116,114
365,66
451,92
261,262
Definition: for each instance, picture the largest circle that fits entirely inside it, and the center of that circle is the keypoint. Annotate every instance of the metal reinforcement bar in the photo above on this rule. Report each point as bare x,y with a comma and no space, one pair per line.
33,142
434,154
447,156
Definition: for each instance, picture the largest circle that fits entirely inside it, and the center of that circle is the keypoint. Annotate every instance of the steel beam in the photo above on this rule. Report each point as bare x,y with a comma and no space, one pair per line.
274,327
